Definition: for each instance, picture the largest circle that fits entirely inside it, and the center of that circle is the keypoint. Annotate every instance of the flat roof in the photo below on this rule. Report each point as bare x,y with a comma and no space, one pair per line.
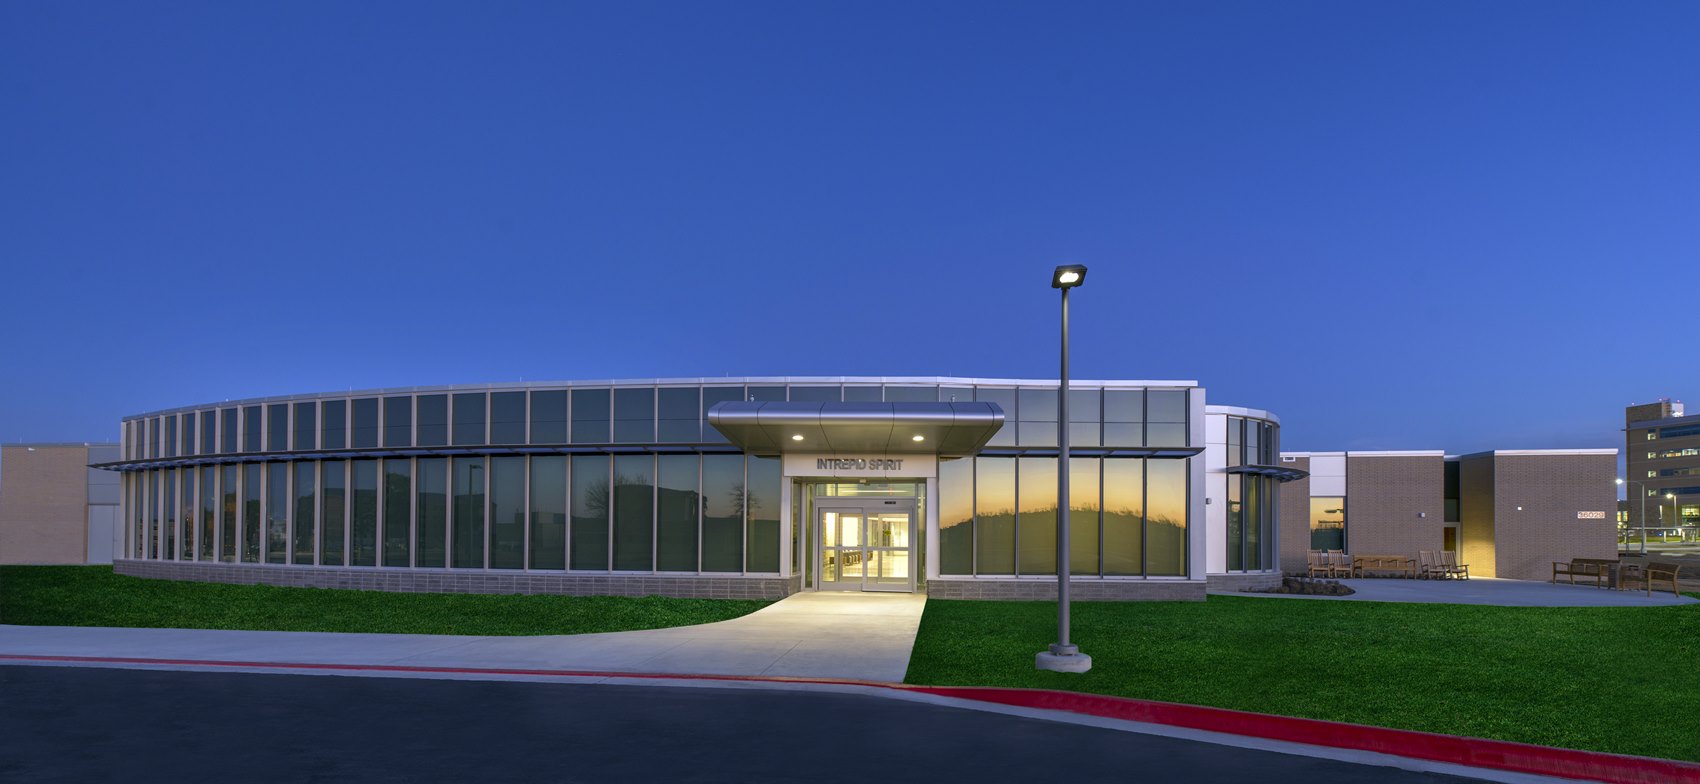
1534,453
680,382
1253,413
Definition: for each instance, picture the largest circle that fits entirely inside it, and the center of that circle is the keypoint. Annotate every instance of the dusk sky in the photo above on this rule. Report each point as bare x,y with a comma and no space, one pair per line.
1430,225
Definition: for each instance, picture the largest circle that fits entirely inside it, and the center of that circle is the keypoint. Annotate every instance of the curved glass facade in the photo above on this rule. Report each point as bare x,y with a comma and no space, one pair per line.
627,478
1250,540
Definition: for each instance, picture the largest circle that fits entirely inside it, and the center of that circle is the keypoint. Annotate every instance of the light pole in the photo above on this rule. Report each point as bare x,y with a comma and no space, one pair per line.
1063,656
1675,515
1643,511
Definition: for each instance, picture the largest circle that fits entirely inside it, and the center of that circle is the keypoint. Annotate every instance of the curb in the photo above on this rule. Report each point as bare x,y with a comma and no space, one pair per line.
1433,747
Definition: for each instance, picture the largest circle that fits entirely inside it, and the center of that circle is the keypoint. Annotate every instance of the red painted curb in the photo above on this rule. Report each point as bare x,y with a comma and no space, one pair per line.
1433,747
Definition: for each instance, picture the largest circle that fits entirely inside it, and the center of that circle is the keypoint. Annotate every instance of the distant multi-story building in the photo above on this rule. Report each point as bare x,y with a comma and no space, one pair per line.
1662,448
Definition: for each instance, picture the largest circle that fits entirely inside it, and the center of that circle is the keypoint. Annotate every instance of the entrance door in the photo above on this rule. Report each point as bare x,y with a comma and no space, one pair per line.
866,548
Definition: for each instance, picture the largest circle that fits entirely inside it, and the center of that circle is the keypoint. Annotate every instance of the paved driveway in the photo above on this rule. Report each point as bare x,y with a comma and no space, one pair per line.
864,636
72,724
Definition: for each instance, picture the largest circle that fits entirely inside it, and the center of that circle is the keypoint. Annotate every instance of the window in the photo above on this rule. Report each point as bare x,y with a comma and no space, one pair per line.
1037,424
677,505
549,512
333,426
762,514
956,517
634,415
1124,417
227,431
507,512
1166,417
994,515
277,427
209,514
634,513
433,421
816,394
468,521
549,417
398,421
677,407
171,436
1083,524
1124,516
227,513
332,496
1165,518
189,442
252,427
363,525
507,417
1083,405
590,416
251,512
911,394
469,416
398,511
168,550
365,433
306,427
306,506
723,513
1037,524
433,501
277,513
590,510
1328,523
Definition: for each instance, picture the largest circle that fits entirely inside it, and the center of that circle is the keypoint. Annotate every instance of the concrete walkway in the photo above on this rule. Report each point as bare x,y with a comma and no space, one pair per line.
863,636
1487,590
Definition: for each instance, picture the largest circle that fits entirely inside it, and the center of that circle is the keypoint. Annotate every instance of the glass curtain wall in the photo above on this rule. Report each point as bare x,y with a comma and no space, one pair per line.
1127,516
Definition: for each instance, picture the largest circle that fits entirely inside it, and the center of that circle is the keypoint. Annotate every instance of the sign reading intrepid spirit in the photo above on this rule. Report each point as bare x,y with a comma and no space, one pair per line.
862,466
859,464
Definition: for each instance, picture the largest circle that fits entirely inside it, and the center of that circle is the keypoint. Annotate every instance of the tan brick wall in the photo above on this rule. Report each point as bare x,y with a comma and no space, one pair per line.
1295,519
1551,489
1395,504
1476,514
43,504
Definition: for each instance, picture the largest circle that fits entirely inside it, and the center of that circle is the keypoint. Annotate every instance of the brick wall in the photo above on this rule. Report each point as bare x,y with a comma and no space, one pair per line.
43,504
1551,489
1295,519
1395,504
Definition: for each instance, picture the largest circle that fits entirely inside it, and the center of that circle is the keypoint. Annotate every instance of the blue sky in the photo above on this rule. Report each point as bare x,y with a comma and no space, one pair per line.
1397,225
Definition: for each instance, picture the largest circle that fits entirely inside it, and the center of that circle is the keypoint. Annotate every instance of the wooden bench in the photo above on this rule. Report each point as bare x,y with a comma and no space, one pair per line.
1600,570
1401,565
1649,575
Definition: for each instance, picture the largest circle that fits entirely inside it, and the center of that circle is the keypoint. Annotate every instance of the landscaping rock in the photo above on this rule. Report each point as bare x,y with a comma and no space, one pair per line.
1308,587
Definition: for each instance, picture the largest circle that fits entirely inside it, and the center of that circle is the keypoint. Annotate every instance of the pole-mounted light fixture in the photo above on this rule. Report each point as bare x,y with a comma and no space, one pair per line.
1068,276
1063,655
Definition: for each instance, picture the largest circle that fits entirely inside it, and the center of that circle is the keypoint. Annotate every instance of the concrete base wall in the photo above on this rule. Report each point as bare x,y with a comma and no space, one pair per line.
1256,581
1079,590
464,581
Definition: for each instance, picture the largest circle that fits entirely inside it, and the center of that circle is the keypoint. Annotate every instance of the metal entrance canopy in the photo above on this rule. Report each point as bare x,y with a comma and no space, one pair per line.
944,429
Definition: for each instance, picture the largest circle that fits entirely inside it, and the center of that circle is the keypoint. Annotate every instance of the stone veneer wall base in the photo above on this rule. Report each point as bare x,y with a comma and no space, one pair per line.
1255,581
1079,590
465,581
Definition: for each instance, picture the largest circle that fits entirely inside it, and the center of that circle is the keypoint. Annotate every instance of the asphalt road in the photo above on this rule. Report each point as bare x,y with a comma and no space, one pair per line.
75,724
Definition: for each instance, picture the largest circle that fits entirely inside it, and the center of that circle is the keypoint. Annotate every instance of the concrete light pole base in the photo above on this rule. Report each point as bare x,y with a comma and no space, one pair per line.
1063,662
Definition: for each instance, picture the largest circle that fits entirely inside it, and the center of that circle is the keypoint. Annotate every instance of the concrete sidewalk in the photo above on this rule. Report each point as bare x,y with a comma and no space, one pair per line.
861,636
1488,590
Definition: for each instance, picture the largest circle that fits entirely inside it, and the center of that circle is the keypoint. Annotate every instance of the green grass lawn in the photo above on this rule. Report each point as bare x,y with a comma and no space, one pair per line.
1624,680
94,596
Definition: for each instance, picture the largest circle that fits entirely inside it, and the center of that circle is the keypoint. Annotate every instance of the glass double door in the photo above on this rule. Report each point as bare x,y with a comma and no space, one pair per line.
866,548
